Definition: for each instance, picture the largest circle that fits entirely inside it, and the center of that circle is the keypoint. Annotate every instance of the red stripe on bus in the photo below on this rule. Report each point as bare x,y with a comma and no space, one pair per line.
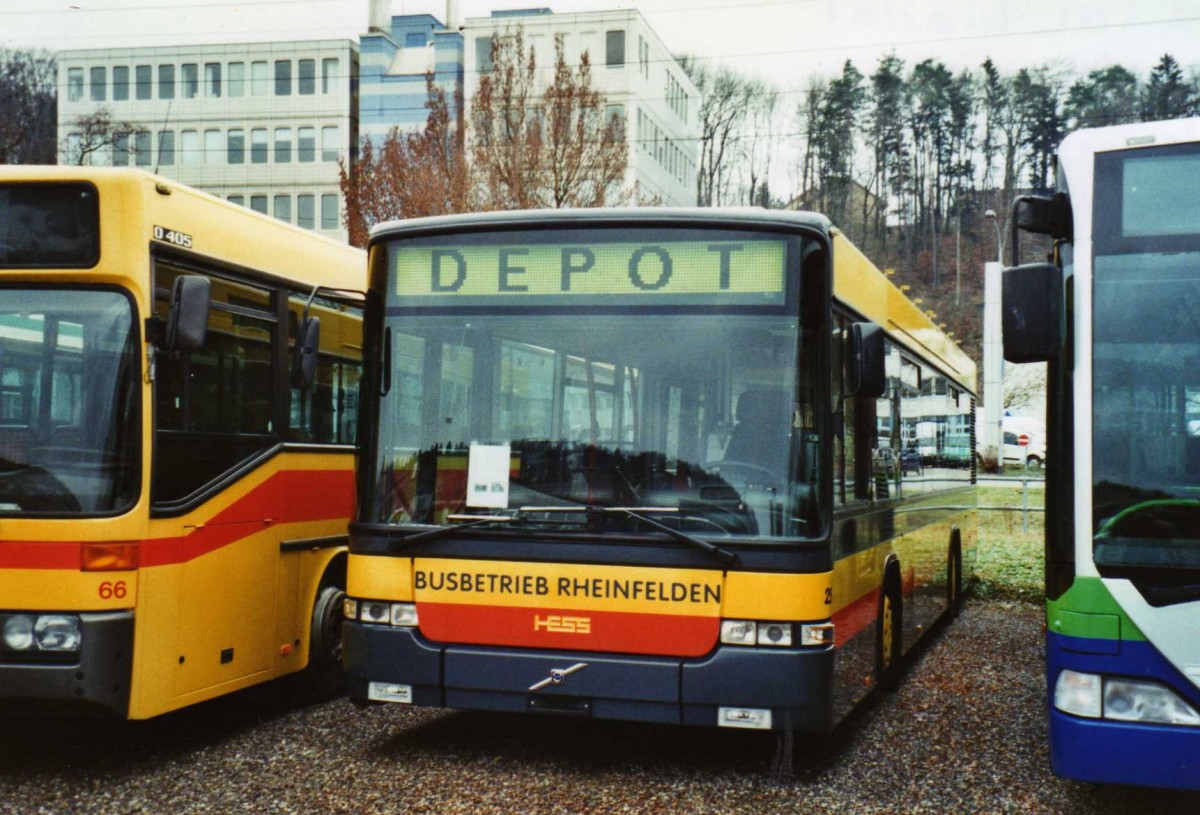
560,629
293,496
851,619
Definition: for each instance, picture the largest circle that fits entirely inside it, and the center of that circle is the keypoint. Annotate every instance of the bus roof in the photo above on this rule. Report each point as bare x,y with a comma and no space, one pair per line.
745,217
222,231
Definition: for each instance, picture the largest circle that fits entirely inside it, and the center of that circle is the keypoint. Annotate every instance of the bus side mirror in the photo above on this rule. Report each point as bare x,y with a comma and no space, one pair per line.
304,357
1031,312
865,376
187,320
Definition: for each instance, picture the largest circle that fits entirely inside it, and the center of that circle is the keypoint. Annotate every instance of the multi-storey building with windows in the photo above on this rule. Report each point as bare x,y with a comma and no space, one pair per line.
261,124
640,79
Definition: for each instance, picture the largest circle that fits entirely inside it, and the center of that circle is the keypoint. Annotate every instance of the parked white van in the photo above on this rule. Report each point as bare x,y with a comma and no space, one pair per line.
1018,429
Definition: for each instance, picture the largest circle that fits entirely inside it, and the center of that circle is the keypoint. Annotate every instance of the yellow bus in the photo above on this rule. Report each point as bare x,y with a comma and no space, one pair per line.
652,465
178,407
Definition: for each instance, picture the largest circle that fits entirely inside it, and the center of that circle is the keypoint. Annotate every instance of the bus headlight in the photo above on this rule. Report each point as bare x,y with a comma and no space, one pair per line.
57,632
1130,700
1123,700
1078,694
753,632
29,633
380,612
18,632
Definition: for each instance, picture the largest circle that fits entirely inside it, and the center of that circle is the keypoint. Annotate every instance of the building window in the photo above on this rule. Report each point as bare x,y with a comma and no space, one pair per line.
212,80
121,83
190,84
166,148
329,212
306,144
258,203
258,145
614,48
120,151
166,82
329,143
236,146
99,82
283,77
143,80
141,146
306,77
614,115
483,54
305,215
283,208
240,200
258,79
212,147
237,79
74,148
189,143
329,69
283,145
74,84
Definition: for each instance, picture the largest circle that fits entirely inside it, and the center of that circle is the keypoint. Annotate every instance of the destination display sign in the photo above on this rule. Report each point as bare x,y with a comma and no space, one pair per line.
694,272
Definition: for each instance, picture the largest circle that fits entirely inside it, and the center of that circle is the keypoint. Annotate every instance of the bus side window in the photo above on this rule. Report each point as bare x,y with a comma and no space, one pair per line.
214,406
326,412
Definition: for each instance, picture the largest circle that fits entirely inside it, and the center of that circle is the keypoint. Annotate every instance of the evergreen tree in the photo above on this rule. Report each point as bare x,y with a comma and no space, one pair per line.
1167,95
1107,96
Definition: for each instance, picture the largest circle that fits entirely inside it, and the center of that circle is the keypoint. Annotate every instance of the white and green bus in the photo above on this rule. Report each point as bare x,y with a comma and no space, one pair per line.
1117,316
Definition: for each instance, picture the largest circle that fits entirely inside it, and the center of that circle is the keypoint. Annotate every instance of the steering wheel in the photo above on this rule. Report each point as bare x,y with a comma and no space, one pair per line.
743,472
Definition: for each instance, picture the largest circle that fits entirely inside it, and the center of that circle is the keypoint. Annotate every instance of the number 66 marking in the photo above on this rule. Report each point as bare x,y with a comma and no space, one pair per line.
113,591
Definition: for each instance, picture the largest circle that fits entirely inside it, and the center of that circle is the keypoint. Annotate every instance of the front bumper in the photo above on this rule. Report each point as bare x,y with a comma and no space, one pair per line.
96,681
795,685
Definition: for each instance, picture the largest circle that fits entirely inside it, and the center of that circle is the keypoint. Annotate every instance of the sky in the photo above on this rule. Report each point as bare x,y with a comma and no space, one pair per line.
785,41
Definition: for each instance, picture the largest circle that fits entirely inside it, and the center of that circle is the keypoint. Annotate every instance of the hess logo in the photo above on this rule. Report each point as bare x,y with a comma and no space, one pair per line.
557,624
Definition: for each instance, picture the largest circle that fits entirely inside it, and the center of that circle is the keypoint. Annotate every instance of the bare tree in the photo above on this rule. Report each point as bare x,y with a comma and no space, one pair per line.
28,107
409,175
1024,385
92,134
544,148
585,149
726,102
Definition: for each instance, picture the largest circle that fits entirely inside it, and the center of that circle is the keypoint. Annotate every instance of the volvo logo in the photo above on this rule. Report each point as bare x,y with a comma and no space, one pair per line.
558,676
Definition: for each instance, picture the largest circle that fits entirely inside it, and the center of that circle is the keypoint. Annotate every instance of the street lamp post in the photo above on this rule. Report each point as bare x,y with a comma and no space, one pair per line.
993,354
991,215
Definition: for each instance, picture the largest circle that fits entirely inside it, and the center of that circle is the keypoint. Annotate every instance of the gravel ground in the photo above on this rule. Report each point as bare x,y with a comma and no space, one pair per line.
965,733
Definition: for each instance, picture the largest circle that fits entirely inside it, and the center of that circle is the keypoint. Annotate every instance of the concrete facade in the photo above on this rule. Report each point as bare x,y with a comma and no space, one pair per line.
260,124
630,66
639,77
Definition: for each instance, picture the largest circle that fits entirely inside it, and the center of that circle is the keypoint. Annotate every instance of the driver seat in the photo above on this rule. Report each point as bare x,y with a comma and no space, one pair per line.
760,436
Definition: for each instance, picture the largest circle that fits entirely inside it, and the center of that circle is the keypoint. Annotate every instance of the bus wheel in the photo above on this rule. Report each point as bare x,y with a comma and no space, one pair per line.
889,626
323,676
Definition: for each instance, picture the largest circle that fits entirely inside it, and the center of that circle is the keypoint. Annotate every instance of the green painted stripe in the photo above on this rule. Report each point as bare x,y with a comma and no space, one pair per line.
1088,610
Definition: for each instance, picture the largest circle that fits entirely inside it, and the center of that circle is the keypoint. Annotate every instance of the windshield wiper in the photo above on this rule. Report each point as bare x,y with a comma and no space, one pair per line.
723,555
521,516
447,531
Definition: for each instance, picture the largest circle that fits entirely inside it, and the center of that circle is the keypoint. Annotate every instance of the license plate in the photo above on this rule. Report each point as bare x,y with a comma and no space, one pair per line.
388,692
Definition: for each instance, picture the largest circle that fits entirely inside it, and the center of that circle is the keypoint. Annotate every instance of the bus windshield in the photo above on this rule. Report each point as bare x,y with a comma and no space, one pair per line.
679,386
69,440
1146,361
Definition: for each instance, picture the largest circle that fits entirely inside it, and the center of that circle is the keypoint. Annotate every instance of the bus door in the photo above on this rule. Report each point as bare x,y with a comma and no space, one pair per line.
215,412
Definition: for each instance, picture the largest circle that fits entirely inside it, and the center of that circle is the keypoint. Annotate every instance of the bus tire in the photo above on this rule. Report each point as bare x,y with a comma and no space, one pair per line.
323,676
889,627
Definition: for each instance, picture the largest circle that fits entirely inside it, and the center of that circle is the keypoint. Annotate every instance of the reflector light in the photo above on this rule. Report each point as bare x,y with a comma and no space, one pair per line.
108,557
